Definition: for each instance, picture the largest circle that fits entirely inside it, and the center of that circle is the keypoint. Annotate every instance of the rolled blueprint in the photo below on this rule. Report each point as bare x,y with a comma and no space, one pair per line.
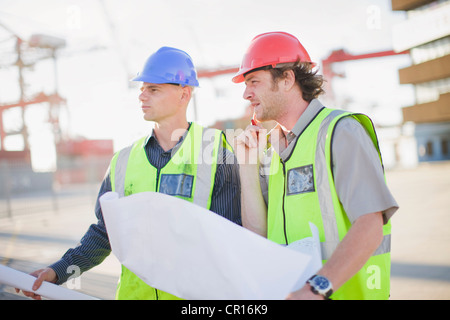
24,281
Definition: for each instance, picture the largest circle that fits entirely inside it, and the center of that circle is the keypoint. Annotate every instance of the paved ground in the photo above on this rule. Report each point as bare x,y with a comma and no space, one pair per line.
420,237
33,240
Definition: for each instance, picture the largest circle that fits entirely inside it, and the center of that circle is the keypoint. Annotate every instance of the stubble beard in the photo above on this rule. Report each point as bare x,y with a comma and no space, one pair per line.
272,108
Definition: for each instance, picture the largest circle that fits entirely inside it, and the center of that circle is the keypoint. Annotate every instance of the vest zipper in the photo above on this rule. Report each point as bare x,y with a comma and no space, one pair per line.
284,196
158,172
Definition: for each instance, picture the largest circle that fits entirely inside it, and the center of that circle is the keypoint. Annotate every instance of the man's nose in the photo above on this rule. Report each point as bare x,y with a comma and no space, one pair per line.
248,94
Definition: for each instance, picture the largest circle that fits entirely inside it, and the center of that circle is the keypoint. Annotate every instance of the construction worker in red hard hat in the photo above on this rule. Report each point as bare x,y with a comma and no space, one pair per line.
164,161
318,168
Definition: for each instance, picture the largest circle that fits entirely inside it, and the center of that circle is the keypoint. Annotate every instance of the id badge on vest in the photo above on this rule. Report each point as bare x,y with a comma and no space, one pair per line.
177,185
300,180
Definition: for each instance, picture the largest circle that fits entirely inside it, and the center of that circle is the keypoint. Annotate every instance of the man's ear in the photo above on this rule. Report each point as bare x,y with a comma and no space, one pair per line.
289,79
186,93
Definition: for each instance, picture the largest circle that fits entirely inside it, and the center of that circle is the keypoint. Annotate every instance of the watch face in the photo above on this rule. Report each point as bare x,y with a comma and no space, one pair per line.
321,282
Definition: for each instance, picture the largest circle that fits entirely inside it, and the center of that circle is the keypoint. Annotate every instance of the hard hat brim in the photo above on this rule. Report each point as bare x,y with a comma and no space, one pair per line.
160,80
239,77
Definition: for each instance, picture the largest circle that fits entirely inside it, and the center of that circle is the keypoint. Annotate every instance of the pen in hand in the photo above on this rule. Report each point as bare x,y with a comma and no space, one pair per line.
255,123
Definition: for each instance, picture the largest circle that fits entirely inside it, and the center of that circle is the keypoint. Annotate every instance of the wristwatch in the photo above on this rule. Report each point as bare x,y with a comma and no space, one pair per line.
321,285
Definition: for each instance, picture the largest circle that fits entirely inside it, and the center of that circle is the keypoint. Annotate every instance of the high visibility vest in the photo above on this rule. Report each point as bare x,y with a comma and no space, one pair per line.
189,175
302,190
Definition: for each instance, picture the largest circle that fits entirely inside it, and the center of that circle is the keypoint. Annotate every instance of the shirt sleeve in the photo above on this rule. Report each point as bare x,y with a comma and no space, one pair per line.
226,196
93,248
358,173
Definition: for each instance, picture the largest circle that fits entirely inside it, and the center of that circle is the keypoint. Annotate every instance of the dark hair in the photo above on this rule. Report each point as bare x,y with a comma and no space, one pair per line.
308,80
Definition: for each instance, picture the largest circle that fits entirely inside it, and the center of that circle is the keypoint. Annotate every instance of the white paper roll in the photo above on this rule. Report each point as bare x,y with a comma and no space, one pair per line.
23,281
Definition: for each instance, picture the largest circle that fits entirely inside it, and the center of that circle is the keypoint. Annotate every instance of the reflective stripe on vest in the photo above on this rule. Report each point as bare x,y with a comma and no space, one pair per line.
189,175
304,191
326,202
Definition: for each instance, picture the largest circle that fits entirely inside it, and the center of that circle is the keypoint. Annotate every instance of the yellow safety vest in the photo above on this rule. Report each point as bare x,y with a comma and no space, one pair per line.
302,190
189,175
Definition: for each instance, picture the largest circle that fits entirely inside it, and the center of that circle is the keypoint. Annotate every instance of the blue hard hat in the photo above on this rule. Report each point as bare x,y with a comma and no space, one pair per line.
169,65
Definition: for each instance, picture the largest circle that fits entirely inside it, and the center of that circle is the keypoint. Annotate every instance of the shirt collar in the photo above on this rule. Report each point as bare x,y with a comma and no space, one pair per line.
307,116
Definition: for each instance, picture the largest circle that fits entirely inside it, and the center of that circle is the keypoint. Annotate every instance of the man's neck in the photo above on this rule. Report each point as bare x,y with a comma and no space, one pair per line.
293,112
168,135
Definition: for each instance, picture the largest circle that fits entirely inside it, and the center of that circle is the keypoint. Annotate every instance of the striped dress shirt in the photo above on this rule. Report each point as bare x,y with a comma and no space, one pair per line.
94,246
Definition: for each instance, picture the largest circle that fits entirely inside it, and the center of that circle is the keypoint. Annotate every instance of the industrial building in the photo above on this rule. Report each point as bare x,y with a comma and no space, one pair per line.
426,34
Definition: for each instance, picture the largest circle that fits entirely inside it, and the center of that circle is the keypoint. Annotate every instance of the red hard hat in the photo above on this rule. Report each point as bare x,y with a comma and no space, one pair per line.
270,49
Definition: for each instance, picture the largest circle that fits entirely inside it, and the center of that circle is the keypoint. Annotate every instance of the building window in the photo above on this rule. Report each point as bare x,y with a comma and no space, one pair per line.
444,147
429,148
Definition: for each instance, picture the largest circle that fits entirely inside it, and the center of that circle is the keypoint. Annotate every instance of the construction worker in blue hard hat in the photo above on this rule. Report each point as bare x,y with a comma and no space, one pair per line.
164,161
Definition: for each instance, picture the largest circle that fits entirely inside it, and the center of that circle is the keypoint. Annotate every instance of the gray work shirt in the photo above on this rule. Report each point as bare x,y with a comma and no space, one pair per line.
358,174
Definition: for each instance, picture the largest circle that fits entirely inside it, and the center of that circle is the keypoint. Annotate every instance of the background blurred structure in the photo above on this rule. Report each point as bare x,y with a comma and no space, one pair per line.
426,34
77,160
16,170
